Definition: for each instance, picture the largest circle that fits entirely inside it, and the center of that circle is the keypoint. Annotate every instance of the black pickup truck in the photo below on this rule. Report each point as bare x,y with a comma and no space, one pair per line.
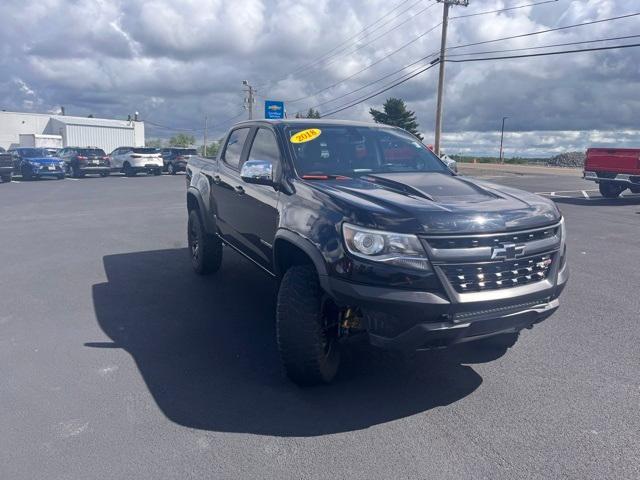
6,166
370,234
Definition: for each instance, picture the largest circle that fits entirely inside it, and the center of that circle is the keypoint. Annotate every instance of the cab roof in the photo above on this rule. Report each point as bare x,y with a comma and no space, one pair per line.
314,121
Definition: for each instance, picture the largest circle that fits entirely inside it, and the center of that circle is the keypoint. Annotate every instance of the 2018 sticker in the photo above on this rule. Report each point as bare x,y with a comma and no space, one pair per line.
306,135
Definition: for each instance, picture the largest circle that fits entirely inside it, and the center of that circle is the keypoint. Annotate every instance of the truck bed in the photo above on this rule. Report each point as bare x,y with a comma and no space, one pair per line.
614,160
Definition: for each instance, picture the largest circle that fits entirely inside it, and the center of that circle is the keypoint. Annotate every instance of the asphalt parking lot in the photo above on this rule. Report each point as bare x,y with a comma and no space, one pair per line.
116,361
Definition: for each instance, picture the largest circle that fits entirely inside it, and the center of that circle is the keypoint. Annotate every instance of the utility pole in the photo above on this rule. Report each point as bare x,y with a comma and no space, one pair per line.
204,147
249,100
443,48
502,139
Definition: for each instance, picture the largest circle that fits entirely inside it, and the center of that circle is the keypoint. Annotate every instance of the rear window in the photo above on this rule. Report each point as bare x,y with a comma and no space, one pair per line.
185,151
145,150
92,151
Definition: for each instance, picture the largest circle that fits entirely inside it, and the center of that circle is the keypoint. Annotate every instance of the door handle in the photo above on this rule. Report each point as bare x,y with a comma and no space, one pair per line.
239,190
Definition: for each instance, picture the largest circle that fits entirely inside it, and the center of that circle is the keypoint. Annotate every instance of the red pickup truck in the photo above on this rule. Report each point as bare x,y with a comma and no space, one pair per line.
613,169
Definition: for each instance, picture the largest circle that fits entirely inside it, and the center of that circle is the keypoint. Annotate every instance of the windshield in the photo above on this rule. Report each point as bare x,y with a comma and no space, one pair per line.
92,152
34,153
345,150
146,150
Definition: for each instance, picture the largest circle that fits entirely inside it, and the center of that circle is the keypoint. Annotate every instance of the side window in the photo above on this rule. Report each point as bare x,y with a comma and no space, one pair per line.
265,147
233,149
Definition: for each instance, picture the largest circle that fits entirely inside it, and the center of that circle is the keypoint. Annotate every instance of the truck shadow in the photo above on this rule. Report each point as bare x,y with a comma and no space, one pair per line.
206,350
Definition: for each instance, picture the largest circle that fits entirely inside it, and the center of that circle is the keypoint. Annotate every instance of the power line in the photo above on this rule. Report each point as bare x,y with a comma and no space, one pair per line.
409,43
371,65
539,32
545,54
400,82
516,7
385,89
566,44
349,40
479,43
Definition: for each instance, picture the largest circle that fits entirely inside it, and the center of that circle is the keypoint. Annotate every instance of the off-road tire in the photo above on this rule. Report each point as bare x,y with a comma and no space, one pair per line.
7,178
611,190
206,255
309,357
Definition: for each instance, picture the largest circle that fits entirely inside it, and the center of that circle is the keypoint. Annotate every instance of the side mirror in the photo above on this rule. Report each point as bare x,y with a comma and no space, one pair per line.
258,172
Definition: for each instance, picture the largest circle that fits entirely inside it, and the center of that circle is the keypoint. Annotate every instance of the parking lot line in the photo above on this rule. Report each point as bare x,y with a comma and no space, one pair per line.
585,194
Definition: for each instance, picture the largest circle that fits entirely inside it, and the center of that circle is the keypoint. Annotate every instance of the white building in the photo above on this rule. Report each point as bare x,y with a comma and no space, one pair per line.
71,131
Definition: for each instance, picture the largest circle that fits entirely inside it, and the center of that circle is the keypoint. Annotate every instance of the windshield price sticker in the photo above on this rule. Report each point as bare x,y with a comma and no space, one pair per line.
306,135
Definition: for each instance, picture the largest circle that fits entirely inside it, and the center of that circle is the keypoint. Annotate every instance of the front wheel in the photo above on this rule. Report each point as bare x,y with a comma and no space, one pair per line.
307,337
128,170
611,190
205,249
27,174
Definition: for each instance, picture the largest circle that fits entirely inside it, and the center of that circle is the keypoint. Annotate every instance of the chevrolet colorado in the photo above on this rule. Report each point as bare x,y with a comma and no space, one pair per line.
369,233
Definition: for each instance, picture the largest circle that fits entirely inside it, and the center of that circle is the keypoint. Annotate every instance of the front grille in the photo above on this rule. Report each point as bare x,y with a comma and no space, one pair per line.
6,161
492,240
498,275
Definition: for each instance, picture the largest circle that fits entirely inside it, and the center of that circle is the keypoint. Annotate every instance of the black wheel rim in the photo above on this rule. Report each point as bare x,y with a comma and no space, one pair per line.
330,324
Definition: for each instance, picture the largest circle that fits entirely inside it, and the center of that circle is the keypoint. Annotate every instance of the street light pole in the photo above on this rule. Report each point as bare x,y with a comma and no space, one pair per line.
443,48
502,140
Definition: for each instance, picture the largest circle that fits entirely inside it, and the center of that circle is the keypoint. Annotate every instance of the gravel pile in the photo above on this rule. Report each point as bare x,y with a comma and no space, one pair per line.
569,159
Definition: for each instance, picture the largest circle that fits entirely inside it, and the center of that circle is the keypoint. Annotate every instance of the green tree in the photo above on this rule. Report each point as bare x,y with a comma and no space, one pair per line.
396,113
154,143
182,140
211,150
310,114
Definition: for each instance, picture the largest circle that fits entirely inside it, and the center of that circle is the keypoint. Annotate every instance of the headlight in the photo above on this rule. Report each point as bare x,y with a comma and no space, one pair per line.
34,164
391,248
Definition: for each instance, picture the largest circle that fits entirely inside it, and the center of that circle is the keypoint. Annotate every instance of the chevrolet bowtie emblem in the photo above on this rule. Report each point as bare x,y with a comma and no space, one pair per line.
508,251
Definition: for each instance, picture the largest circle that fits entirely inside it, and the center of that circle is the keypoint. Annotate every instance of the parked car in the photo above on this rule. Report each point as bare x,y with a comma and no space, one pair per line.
133,160
370,234
613,169
176,159
34,163
80,161
6,165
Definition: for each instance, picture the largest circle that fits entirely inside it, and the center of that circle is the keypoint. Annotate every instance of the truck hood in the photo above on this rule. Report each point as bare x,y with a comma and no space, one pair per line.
437,203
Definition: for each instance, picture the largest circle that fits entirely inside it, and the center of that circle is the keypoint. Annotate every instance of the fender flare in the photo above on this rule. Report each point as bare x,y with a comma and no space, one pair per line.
208,221
307,247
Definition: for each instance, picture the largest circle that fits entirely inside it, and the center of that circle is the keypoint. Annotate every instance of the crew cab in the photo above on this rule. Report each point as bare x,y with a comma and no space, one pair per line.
370,235
613,169
80,161
34,163
6,165
133,160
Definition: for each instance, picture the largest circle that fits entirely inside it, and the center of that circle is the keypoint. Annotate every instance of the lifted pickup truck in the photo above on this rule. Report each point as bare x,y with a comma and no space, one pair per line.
370,234
613,169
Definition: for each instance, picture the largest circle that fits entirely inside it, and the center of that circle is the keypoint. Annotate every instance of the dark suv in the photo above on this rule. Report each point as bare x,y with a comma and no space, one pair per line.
81,161
176,159
370,234
6,165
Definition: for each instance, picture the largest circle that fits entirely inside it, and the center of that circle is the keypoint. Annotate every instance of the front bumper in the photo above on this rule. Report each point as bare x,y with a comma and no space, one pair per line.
418,320
44,172
620,178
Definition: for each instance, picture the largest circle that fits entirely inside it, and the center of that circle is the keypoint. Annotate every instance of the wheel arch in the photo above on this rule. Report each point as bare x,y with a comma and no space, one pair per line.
195,202
290,249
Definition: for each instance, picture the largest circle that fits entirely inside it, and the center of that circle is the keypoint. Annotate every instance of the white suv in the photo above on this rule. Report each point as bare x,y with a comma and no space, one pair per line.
131,160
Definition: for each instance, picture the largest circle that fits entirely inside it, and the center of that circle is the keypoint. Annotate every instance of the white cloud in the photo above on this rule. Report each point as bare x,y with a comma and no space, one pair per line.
177,60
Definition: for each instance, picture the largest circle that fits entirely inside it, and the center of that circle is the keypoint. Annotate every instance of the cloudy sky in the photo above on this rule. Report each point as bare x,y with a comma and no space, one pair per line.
175,61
